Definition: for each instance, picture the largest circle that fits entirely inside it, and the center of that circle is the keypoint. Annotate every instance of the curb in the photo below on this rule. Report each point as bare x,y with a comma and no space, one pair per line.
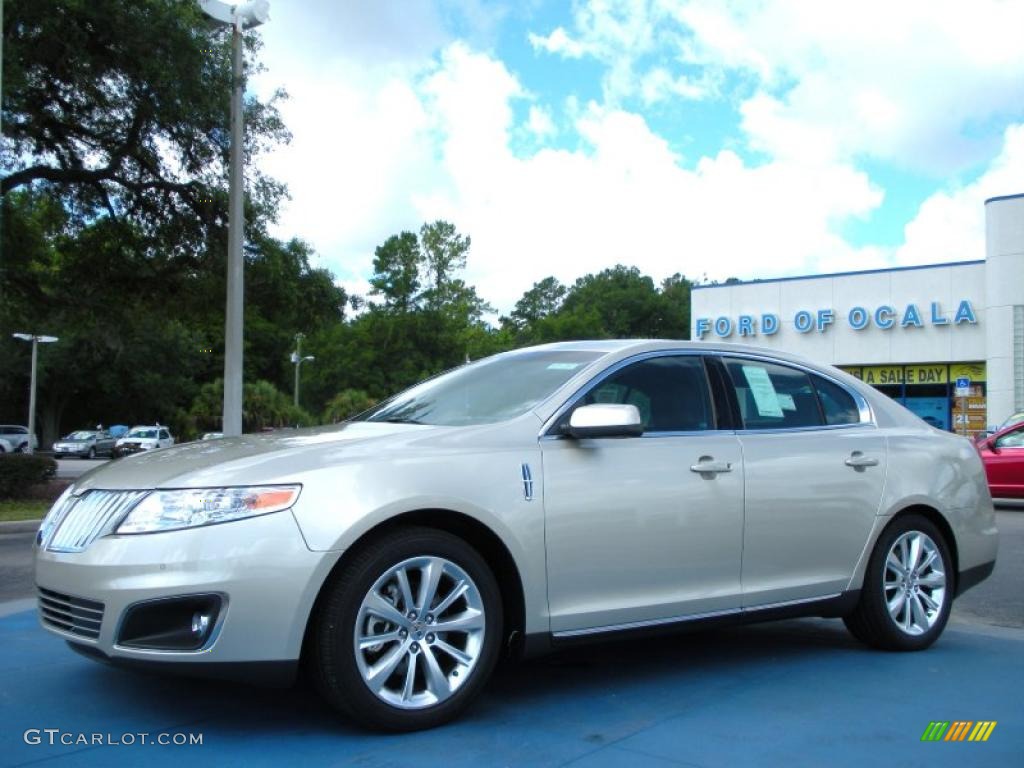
20,526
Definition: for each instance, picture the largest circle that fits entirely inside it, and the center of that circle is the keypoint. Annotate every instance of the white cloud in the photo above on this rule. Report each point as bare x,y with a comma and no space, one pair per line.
910,83
540,124
558,42
950,225
387,137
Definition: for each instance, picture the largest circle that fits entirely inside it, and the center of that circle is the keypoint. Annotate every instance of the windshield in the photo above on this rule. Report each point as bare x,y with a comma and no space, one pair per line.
1015,419
144,433
494,389
81,435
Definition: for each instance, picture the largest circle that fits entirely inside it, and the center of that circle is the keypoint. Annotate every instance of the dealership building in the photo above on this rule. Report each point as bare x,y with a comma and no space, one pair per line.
946,340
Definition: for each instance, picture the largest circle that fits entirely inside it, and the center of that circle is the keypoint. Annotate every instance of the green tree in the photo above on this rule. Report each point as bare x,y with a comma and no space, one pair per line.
347,404
396,266
121,108
444,254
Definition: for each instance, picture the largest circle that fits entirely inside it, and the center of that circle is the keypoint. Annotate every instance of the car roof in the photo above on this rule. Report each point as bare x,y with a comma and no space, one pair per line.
636,346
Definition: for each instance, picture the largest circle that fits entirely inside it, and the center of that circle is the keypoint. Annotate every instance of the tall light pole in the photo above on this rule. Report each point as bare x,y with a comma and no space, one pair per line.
36,341
240,17
297,361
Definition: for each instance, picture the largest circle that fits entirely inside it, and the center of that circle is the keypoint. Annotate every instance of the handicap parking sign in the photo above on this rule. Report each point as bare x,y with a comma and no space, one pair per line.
963,386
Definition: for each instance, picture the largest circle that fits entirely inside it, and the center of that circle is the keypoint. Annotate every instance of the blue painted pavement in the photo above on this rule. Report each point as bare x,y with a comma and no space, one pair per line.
795,693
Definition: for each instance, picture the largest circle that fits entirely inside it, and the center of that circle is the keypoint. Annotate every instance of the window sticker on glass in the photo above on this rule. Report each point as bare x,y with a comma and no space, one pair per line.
765,397
786,402
563,366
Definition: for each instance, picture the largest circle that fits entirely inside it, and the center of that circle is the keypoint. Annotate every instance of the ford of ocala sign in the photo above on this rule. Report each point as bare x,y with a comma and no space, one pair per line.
884,317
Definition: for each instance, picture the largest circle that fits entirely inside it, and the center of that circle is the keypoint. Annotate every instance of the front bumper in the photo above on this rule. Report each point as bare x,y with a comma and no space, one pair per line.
78,451
267,576
129,449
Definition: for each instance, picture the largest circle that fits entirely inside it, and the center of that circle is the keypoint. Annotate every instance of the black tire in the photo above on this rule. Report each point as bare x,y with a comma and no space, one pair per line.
333,657
870,622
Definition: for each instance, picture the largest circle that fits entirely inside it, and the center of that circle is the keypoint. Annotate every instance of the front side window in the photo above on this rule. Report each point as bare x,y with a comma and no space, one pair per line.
491,390
773,396
671,393
165,435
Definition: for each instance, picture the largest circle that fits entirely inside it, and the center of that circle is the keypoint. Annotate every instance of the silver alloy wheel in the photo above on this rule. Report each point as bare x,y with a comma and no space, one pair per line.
914,582
419,632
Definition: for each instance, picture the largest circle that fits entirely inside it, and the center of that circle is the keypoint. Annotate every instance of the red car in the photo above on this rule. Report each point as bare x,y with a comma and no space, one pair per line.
1003,455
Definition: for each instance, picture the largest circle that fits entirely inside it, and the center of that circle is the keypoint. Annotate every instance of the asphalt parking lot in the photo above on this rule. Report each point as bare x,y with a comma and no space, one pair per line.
790,693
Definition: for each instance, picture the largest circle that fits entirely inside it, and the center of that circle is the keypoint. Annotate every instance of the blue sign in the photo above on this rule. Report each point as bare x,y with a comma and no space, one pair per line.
884,317
963,383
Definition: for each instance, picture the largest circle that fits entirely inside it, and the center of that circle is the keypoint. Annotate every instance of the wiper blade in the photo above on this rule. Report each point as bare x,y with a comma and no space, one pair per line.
401,420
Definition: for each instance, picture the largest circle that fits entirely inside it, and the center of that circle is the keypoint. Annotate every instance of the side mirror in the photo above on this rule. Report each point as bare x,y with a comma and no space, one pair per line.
605,420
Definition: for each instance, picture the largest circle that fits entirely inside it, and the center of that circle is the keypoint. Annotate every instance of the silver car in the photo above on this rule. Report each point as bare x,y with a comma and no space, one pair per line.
525,502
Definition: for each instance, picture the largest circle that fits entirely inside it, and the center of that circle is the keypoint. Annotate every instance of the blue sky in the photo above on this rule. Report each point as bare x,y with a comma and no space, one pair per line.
707,137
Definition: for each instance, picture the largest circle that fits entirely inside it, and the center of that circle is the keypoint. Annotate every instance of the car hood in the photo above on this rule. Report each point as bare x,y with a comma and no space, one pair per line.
251,459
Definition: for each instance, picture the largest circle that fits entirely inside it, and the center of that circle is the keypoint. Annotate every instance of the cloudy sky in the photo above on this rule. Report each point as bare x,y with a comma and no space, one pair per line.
706,137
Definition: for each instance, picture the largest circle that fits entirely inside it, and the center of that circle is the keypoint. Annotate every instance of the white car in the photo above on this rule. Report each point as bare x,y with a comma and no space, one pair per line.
6,447
17,437
139,439
528,501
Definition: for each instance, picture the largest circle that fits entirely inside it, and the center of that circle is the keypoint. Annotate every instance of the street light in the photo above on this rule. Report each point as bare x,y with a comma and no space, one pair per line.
297,360
36,341
240,17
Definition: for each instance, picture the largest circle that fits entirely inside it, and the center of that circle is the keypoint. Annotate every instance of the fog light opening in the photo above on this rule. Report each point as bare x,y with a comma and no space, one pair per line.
181,623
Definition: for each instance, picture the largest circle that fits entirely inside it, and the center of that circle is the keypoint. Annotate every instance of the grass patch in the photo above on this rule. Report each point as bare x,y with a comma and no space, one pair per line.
23,509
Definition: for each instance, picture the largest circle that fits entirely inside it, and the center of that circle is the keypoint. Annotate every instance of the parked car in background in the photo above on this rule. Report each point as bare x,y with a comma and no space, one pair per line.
18,437
1003,456
211,435
1016,418
139,439
526,501
85,443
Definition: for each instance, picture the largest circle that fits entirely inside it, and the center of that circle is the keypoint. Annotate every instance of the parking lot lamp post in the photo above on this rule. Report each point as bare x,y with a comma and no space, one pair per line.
298,360
240,17
36,341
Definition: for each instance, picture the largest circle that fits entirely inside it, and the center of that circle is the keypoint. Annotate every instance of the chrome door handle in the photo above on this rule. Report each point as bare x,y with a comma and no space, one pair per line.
858,461
706,465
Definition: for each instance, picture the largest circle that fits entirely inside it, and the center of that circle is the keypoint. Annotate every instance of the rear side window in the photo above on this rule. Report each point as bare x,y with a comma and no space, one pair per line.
773,396
837,404
165,435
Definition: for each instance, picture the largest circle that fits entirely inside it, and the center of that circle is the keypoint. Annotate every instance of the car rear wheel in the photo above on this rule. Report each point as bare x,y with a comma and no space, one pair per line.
908,588
408,632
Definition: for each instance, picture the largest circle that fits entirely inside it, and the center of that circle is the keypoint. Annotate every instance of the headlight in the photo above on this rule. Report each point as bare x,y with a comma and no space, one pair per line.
172,510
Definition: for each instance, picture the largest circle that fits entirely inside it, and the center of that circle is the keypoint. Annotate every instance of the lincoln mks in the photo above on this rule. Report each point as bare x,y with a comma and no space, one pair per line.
518,504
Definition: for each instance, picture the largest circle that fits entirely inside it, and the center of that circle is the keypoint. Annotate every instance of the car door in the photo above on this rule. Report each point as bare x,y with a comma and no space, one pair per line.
814,471
104,443
633,534
1003,455
165,439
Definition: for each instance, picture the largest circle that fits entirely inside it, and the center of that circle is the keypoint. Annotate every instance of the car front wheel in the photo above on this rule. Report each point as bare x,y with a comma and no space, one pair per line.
408,632
908,588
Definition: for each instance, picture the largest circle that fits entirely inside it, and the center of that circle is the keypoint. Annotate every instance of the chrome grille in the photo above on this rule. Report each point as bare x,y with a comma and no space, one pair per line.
85,518
70,614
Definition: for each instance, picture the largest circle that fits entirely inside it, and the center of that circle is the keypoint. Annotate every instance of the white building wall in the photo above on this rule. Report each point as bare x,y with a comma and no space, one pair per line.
839,344
994,288
1004,239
